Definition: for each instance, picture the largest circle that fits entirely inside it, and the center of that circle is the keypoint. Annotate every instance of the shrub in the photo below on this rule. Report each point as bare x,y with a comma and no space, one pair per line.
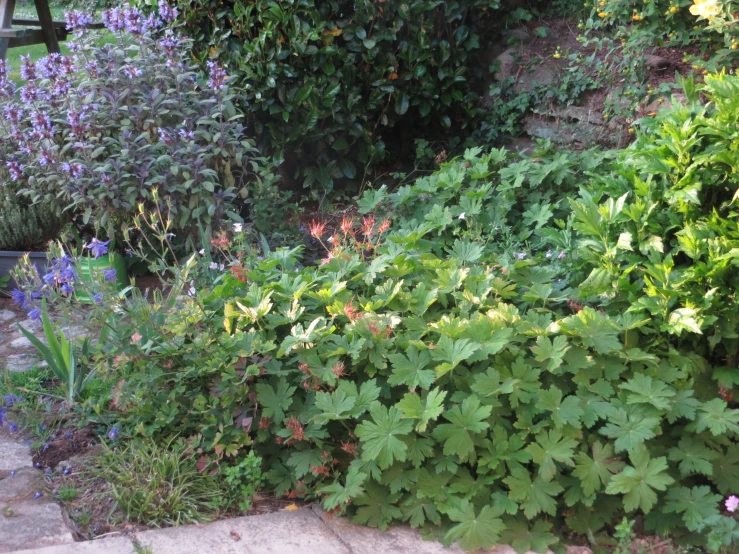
25,226
102,132
326,82
440,368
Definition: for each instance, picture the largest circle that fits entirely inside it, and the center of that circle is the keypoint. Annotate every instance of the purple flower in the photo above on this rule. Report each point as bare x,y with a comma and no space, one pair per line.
98,299
11,399
113,433
46,157
132,72
28,68
732,503
37,495
217,75
30,93
98,247
110,274
561,255
167,12
15,169
2,415
35,314
4,69
165,136
19,297
114,20
13,114
67,289
186,135
13,427
77,20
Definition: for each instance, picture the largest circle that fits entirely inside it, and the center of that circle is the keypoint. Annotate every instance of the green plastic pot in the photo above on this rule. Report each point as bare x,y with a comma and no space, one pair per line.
90,269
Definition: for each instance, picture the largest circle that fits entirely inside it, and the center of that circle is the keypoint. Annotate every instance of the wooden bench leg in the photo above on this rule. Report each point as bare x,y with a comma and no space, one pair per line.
7,7
47,25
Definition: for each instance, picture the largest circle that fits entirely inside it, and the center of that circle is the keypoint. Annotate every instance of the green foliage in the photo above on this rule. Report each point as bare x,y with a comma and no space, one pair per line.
25,226
157,484
70,366
327,83
469,367
243,480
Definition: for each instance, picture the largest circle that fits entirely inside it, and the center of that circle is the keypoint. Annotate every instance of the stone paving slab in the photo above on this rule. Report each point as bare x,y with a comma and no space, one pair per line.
14,454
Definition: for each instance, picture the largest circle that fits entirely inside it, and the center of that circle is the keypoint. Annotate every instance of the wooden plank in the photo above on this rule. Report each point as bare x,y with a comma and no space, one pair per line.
15,33
47,25
7,7
32,36
57,24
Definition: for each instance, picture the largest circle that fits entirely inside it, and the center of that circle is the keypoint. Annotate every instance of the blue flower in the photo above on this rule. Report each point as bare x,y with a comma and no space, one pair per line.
37,495
35,314
113,433
98,247
67,289
11,399
13,427
2,415
110,274
98,299
19,297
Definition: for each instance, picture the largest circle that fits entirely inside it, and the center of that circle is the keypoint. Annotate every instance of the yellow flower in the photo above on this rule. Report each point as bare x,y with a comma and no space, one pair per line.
556,55
602,14
674,9
705,8
636,17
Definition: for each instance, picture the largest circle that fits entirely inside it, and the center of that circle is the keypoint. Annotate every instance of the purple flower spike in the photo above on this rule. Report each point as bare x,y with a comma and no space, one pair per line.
167,12
98,247
35,314
217,75
110,274
113,433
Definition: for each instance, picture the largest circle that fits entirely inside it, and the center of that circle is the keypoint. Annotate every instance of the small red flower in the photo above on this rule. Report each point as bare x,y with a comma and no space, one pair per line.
368,225
384,226
347,224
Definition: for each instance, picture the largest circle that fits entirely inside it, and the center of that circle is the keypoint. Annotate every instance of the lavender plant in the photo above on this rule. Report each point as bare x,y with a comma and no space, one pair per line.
97,133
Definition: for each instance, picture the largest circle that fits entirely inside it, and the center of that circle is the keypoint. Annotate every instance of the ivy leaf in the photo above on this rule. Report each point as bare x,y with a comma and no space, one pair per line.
275,402
465,419
648,391
377,507
726,470
564,413
452,352
639,482
380,438
413,408
409,369
629,430
594,329
523,538
549,448
545,349
695,504
694,456
596,471
716,417
338,494
475,531
534,496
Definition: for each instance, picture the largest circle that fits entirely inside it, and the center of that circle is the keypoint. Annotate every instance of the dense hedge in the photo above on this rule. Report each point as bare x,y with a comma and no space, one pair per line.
326,80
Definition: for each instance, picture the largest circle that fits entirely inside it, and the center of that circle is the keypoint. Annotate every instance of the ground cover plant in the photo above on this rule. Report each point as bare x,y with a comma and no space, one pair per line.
527,350
440,367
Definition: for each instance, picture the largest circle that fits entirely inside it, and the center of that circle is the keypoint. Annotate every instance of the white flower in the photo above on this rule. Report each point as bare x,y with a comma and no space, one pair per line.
221,267
238,227
461,216
330,239
549,254
213,265
201,251
383,187
520,255
191,291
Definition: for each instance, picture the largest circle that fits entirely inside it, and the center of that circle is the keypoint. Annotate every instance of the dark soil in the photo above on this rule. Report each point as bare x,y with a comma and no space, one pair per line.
68,444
